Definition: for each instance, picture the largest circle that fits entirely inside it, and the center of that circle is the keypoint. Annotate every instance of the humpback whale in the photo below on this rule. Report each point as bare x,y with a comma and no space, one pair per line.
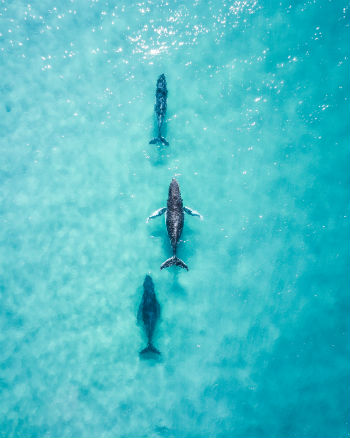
174,221
148,313
160,108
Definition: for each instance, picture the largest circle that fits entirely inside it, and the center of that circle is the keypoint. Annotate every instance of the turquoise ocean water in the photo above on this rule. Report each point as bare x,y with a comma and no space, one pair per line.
255,337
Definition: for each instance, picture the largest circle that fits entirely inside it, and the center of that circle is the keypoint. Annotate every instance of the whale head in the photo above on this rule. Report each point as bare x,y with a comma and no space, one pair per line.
174,189
161,83
148,283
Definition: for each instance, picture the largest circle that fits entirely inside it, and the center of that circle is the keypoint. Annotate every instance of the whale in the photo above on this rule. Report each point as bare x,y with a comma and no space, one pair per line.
160,108
148,314
174,219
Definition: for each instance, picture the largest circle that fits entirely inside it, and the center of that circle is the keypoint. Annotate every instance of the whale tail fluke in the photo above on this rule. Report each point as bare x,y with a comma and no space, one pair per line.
159,140
174,261
150,349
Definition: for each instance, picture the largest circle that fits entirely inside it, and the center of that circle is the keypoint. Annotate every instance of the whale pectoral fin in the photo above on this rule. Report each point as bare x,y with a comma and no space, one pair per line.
156,213
193,212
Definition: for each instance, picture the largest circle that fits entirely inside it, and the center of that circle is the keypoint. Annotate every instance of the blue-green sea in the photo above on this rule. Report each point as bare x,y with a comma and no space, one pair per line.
255,337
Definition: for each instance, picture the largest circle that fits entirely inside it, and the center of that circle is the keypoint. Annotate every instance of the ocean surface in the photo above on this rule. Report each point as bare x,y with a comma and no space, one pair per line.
255,337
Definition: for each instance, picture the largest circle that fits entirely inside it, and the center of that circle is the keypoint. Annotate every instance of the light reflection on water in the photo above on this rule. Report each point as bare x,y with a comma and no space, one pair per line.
175,27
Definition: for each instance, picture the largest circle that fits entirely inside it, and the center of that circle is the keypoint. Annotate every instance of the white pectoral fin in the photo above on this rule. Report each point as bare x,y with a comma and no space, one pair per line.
156,213
193,212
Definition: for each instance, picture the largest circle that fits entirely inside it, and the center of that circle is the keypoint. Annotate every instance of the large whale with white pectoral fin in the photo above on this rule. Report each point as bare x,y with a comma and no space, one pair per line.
160,108
174,221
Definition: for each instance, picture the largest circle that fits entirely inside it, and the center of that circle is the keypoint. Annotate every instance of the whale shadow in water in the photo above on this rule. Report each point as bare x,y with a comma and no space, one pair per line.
161,235
159,155
176,288
188,243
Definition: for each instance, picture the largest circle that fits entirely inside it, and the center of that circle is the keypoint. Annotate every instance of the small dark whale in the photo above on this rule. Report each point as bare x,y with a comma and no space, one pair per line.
174,221
160,108
149,312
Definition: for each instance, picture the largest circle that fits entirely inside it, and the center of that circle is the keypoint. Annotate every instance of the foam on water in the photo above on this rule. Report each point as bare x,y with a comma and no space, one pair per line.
255,337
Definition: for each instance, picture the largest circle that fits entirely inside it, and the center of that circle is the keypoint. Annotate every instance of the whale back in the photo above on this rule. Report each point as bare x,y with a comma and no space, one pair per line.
175,214
161,96
161,86
149,307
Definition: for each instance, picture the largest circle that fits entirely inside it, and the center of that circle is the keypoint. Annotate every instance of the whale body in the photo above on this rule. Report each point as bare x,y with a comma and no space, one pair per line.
174,221
148,314
160,108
